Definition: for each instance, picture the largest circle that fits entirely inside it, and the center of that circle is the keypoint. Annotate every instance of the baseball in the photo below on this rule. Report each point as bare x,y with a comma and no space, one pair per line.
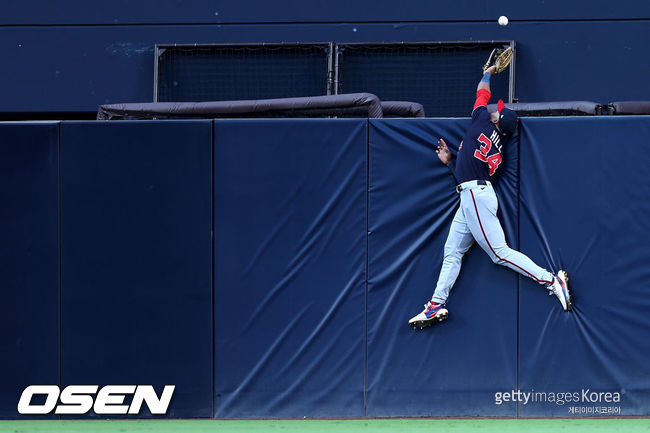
503,20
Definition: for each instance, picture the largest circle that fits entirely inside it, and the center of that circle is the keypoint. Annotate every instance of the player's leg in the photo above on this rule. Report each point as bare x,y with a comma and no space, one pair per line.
480,205
459,240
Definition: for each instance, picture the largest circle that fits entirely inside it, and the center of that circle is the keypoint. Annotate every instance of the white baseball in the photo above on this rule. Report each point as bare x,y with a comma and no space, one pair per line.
503,20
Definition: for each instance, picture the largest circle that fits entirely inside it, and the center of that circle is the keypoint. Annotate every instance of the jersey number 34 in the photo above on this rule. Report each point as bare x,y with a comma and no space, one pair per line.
493,161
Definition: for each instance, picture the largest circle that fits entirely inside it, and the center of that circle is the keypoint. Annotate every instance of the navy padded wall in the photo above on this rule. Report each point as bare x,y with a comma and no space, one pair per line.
454,368
136,289
29,258
289,257
584,208
290,254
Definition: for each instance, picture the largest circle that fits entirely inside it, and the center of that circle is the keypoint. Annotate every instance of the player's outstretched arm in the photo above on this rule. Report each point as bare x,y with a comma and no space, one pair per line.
485,81
483,89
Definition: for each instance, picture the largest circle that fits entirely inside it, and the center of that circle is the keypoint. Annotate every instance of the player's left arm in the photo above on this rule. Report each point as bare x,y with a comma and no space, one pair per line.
445,156
485,81
483,93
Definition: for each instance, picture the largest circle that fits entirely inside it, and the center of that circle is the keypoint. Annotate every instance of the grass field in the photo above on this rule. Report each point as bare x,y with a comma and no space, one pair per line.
333,426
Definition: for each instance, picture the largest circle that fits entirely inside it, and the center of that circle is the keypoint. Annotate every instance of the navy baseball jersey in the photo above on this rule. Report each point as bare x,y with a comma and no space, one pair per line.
479,155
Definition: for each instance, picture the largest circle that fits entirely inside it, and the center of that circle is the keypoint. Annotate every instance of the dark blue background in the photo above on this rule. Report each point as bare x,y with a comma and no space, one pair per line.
76,55
287,11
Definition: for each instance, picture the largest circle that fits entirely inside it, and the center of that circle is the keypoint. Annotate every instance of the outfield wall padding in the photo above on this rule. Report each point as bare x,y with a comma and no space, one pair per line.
268,267
585,197
452,369
29,259
136,284
289,266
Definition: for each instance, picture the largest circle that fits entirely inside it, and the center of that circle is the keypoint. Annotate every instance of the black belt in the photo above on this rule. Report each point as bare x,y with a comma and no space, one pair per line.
478,182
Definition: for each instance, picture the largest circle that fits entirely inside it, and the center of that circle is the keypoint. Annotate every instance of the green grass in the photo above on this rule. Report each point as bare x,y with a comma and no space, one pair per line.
332,426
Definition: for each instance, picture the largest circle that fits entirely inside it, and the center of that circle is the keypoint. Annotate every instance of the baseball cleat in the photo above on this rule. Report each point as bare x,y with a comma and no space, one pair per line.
432,313
560,288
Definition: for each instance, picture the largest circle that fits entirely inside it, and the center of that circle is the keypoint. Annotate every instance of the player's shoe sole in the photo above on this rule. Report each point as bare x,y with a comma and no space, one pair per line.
441,315
563,276
560,289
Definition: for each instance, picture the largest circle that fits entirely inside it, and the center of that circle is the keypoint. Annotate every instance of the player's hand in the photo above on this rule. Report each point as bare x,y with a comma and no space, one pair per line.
443,152
491,69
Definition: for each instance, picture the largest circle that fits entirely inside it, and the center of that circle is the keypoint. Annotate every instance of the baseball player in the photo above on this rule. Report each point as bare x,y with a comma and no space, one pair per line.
479,158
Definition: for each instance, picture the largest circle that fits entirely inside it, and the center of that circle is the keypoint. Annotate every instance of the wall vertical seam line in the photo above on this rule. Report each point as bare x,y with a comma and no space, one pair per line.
212,266
60,239
365,356
519,247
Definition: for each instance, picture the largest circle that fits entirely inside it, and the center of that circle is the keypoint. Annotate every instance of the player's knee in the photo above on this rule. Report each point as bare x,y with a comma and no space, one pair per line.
499,254
496,259
452,254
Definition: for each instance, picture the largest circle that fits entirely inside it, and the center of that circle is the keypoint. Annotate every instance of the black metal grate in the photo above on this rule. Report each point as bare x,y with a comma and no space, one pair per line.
440,76
242,71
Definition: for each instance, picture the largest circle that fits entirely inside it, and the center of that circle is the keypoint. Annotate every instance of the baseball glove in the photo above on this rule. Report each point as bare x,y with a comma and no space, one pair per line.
500,58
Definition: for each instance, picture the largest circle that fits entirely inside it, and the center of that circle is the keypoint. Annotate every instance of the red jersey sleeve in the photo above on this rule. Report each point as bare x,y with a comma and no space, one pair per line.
482,98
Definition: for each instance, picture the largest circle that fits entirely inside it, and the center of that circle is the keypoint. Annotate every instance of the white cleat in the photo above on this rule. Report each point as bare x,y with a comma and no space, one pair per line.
432,313
560,288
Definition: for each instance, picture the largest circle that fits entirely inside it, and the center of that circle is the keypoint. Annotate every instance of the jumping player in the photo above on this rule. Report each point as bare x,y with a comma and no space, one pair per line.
479,158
